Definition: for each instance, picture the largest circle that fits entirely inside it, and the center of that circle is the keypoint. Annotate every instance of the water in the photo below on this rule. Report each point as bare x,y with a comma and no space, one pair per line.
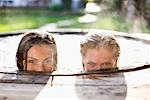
126,86
133,52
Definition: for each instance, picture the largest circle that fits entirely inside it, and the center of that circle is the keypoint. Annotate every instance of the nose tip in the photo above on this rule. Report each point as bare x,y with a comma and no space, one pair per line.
40,68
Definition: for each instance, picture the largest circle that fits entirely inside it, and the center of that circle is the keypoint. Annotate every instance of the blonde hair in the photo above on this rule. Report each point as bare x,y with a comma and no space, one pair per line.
100,41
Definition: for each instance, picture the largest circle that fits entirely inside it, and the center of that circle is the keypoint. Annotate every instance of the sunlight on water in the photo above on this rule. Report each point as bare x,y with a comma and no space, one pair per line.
133,53
8,47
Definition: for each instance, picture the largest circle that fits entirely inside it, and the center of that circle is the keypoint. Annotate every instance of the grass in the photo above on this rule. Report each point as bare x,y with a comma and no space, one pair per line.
19,19
105,22
10,23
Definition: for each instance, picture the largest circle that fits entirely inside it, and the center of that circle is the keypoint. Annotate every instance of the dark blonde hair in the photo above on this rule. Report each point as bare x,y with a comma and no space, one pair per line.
30,39
100,41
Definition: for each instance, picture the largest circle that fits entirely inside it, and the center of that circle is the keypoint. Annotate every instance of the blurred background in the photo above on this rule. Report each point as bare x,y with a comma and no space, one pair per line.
131,16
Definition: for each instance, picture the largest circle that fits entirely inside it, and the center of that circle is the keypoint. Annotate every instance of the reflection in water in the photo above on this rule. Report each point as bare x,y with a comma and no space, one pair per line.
105,87
21,87
24,79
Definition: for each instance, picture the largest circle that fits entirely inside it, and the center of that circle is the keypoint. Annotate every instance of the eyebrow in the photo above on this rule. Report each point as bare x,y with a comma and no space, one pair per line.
38,59
108,62
32,58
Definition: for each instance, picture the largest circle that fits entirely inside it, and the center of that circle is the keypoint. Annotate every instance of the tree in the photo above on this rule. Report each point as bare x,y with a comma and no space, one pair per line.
67,4
133,8
135,11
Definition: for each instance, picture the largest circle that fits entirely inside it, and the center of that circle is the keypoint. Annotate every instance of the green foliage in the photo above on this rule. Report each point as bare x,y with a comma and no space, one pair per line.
146,29
113,4
66,4
56,8
117,4
105,22
13,22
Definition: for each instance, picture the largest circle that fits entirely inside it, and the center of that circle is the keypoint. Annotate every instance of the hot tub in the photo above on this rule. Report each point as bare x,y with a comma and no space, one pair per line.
128,84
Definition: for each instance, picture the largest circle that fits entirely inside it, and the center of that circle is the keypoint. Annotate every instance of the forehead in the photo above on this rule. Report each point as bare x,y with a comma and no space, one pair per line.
40,51
98,55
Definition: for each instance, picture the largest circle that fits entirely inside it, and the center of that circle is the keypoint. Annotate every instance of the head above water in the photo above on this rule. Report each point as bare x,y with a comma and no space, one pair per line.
37,52
99,51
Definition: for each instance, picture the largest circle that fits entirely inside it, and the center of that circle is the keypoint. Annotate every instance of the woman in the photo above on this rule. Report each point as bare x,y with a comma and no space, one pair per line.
37,52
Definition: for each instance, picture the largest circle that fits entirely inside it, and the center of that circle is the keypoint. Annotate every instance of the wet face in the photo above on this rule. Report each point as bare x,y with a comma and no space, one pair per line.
96,59
40,59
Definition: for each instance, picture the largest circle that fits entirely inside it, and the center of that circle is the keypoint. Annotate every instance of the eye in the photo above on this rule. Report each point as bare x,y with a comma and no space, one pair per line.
48,61
91,64
106,65
31,61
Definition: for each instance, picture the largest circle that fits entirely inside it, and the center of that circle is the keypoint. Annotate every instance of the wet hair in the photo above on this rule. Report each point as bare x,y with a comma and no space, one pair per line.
97,41
30,39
